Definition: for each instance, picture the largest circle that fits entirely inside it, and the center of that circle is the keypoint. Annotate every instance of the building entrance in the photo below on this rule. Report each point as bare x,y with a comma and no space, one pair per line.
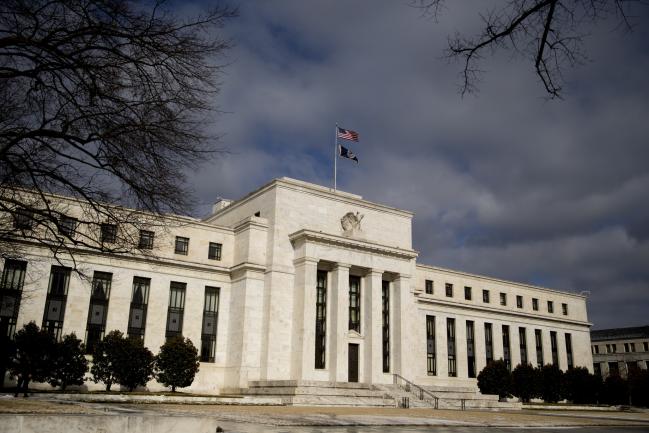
352,363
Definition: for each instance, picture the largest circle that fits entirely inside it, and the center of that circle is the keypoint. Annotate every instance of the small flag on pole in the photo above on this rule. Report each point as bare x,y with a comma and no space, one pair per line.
347,134
346,153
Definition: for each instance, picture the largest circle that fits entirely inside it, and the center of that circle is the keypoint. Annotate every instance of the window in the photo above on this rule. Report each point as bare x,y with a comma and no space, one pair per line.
489,344
450,339
507,356
11,287
320,319
550,307
470,348
210,321
553,347
596,349
182,245
626,347
429,287
503,299
467,293
519,301
67,226
57,295
214,252
632,347
23,219
385,315
564,309
176,309
108,233
597,369
522,341
608,348
569,351
485,296
431,362
355,303
449,290
146,240
98,309
535,304
137,312
538,340
645,346
613,369
614,346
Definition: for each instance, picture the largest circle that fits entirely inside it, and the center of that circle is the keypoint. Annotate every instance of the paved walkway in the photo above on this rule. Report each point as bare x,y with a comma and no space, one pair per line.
48,405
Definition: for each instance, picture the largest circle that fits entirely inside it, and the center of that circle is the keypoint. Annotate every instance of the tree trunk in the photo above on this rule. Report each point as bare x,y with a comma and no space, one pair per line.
108,384
173,388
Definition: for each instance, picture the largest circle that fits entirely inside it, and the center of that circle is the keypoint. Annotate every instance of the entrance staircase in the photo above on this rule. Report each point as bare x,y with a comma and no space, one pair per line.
401,393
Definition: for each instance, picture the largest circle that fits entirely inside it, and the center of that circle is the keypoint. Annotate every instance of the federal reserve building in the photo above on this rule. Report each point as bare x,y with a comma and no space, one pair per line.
295,285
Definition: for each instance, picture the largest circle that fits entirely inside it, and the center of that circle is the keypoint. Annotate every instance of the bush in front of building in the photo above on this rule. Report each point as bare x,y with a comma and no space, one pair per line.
615,390
105,356
7,352
551,381
639,387
495,378
134,367
580,386
525,382
177,363
32,358
69,364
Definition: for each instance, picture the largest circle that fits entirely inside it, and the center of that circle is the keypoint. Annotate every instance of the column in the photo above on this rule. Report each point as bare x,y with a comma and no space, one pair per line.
562,354
402,324
480,347
461,349
371,326
303,358
547,346
441,345
497,328
337,328
515,345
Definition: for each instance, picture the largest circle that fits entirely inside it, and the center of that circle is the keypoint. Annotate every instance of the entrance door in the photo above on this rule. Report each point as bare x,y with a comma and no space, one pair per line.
352,363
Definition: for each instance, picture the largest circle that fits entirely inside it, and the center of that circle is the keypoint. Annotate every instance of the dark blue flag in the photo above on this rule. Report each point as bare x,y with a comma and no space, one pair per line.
346,153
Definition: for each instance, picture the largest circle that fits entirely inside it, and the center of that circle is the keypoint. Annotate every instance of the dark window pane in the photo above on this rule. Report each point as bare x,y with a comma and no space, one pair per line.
182,245
214,252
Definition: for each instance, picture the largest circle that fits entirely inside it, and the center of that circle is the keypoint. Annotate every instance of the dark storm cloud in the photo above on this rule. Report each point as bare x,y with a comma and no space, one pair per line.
504,183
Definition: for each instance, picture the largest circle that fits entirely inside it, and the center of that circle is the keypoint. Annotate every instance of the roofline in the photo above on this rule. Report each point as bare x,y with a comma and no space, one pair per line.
501,281
314,188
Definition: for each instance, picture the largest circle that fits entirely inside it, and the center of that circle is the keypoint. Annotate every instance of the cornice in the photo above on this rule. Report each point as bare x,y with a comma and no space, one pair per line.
354,244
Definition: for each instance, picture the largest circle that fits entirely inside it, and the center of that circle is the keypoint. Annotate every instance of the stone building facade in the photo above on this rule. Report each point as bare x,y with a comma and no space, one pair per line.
299,282
620,350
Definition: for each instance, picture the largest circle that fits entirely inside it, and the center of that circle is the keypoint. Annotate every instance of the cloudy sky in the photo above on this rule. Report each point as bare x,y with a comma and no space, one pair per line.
503,183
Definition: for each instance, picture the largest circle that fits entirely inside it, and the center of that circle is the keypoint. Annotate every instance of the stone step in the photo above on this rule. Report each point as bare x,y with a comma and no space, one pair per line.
312,390
306,383
321,400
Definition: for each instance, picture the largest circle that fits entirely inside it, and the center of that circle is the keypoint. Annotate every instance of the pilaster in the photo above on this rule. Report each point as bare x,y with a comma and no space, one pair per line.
337,348
372,326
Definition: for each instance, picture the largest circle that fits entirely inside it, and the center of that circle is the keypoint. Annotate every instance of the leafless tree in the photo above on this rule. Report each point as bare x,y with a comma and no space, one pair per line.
105,101
549,33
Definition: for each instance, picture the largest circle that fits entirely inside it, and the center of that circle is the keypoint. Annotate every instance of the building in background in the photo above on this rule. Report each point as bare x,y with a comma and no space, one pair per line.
620,350
295,281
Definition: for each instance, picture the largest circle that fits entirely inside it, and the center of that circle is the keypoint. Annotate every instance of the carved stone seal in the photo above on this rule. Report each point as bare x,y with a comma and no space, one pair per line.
351,222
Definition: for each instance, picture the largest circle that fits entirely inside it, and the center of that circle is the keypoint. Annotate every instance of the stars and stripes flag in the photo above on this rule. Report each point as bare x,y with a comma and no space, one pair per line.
347,134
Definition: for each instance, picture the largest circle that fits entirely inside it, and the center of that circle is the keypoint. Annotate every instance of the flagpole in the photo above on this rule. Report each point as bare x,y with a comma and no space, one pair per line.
335,154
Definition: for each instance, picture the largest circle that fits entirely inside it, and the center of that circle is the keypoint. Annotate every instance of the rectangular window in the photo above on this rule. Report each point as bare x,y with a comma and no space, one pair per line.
146,240
522,344
613,369
385,314
519,301
470,348
569,351
23,219
98,309
535,304
137,312
626,347
645,346
11,288
614,346
608,348
564,309
632,347
214,252
429,287
210,321
67,226
597,369
450,338
182,245
489,342
355,303
431,360
108,233
550,307
538,340
554,348
321,319
467,293
596,349
57,295
176,310
449,290
485,296
503,299
507,356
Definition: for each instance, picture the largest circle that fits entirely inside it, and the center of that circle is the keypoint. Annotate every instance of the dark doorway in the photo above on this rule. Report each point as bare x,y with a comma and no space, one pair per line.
352,363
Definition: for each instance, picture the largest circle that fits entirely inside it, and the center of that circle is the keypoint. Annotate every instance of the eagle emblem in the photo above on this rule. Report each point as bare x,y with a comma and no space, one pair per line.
351,222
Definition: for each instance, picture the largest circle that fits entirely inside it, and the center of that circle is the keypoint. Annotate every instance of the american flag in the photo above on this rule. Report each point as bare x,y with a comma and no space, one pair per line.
347,134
